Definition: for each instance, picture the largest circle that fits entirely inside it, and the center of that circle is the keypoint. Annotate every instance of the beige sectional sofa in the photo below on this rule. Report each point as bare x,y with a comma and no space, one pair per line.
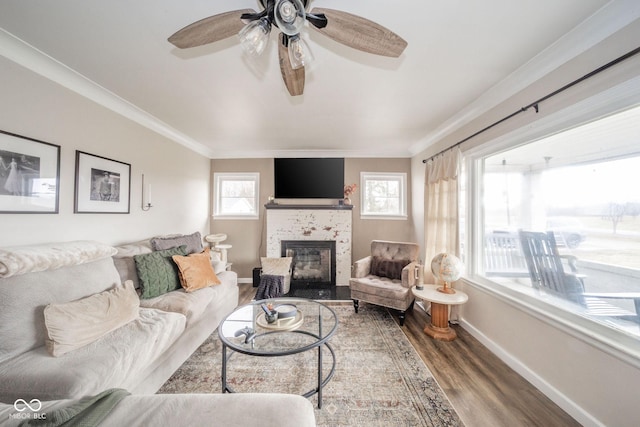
139,355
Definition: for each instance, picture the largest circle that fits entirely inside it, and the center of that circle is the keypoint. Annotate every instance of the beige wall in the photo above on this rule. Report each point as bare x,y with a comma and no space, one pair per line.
247,236
594,384
366,230
38,108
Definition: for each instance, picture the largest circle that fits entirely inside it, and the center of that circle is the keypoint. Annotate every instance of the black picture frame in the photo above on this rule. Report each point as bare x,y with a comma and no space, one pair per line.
29,175
102,185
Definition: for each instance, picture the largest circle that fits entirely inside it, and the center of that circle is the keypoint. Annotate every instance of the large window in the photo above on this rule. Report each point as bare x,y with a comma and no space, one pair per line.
582,186
384,195
236,195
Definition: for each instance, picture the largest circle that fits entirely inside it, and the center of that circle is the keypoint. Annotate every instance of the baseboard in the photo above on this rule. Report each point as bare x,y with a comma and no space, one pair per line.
568,405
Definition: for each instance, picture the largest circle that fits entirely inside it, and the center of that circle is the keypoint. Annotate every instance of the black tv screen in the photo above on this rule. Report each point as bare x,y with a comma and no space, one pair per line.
302,178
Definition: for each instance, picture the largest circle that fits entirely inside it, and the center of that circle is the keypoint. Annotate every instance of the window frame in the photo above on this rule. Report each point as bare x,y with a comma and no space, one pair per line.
219,178
606,339
401,177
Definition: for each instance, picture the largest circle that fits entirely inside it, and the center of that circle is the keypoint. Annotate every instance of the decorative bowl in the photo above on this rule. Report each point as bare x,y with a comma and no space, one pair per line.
286,310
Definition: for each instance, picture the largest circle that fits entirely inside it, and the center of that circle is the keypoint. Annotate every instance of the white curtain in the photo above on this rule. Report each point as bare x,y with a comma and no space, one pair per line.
441,207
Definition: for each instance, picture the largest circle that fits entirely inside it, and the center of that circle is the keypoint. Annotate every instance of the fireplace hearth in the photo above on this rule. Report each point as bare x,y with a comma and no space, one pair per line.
313,265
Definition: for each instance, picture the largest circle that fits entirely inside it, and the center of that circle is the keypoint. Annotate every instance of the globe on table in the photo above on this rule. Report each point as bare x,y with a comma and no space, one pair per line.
447,268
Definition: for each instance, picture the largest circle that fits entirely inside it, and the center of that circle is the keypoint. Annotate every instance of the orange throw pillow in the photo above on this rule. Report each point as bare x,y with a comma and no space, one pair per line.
196,271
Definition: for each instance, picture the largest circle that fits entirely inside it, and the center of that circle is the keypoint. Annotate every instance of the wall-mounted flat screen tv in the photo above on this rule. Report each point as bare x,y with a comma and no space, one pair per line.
309,178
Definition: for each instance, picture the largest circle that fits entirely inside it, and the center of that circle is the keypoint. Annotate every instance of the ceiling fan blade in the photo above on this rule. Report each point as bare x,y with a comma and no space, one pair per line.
360,33
209,30
293,79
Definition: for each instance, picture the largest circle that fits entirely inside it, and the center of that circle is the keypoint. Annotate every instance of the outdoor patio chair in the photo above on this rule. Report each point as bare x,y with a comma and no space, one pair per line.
547,272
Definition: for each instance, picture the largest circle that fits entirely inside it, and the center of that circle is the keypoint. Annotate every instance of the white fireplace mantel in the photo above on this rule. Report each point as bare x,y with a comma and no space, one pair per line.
312,223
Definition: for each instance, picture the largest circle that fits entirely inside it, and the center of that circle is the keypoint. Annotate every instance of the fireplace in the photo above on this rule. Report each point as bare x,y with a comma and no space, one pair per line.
313,264
312,223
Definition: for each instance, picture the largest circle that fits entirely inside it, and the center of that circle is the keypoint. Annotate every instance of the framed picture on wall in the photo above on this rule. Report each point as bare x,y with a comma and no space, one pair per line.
29,175
102,185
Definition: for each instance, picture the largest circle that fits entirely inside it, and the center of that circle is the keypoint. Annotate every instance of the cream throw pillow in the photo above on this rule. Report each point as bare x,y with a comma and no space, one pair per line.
276,266
74,324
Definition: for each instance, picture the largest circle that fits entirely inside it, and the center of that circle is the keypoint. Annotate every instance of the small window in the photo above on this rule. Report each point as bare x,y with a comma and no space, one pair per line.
236,195
384,195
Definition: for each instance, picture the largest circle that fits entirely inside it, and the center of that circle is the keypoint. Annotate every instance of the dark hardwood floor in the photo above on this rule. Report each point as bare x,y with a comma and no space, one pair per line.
483,390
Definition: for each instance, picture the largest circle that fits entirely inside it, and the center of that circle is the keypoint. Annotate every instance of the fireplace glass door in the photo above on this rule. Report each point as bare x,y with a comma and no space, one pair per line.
313,264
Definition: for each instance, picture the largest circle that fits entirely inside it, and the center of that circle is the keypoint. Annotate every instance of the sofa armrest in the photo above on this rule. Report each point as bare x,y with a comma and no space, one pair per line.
362,267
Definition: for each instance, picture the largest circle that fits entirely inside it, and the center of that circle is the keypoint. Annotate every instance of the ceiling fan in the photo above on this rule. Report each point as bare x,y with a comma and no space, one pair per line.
289,16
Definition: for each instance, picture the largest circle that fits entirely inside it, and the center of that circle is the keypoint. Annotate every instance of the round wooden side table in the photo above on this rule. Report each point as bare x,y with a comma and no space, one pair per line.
439,328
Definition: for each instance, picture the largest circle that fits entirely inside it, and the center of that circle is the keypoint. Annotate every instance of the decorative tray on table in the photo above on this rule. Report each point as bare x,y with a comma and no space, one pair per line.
281,324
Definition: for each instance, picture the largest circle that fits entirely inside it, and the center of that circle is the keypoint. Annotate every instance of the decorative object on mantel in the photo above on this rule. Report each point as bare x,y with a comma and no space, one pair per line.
447,268
289,17
348,191
29,175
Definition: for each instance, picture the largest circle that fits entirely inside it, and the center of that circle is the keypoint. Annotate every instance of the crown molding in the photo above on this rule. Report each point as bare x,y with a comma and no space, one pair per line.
29,57
610,19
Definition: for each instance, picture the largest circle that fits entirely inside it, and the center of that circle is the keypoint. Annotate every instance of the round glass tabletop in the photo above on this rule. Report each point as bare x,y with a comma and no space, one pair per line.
301,324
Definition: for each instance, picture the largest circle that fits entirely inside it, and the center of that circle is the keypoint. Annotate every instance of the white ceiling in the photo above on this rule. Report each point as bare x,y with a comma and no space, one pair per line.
220,103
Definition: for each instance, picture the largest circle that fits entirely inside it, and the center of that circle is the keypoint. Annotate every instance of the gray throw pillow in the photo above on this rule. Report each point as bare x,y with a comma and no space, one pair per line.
157,272
193,242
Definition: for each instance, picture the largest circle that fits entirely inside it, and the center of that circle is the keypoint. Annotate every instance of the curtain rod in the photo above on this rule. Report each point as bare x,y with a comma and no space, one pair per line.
535,103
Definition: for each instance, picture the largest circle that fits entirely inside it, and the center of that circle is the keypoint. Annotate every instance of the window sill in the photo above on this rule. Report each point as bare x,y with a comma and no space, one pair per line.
612,341
389,217
235,217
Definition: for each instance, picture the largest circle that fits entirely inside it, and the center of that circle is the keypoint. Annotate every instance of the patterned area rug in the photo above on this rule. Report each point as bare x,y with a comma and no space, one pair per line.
379,380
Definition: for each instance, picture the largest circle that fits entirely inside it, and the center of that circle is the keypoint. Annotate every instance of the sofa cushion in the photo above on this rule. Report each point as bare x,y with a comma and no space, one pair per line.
390,268
189,304
219,410
24,297
194,304
50,256
195,271
157,272
114,360
74,324
193,242
123,260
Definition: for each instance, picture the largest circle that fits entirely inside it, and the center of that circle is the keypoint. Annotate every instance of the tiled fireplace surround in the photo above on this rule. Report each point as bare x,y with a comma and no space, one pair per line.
312,222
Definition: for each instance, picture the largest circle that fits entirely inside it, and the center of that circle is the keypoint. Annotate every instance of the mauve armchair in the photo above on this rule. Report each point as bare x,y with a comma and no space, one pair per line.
386,276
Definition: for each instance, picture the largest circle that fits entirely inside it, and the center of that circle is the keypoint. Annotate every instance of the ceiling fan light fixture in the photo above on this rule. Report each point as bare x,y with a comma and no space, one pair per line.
255,36
299,52
289,16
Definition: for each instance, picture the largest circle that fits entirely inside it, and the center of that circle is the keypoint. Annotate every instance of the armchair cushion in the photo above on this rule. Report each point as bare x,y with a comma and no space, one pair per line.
379,286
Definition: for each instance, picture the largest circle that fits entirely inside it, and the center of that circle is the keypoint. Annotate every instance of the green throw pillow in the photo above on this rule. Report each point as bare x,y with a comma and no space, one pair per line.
157,272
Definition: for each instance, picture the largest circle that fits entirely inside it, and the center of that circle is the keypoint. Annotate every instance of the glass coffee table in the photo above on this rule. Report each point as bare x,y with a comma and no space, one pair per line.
302,325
